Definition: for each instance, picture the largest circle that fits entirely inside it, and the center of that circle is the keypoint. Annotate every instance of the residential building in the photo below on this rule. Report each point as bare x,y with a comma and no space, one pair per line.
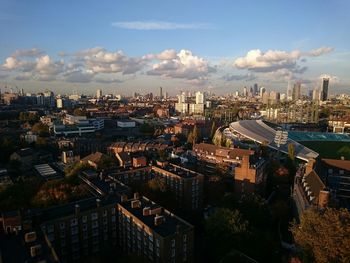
154,233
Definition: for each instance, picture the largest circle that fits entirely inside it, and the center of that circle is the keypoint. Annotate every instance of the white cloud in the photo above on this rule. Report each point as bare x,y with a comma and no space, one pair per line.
159,25
34,52
319,51
98,60
184,65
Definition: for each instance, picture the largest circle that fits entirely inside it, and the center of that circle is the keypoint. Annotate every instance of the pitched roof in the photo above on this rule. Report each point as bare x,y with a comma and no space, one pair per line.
315,183
341,164
95,157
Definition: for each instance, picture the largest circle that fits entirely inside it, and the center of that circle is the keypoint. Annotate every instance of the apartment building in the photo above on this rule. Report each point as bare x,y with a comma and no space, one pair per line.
77,230
153,233
186,184
248,170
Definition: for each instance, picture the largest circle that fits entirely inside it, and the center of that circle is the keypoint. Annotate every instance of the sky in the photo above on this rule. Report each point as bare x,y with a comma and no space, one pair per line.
131,46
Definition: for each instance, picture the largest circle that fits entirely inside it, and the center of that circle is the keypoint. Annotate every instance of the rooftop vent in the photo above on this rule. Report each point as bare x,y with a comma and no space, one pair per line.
146,211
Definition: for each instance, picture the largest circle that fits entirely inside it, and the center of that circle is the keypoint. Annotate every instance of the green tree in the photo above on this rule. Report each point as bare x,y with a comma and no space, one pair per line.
291,151
324,236
195,133
41,129
225,230
213,130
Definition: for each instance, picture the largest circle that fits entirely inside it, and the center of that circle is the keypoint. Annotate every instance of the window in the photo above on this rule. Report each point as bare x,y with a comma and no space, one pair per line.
94,224
173,243
105,213
73,222
62,225
94,216
184,237
95,232
50,228
113,210
74,239
84,219
341,172
113,219
74,230
85,227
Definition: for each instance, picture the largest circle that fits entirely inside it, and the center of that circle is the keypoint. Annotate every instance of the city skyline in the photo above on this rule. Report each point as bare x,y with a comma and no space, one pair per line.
123,47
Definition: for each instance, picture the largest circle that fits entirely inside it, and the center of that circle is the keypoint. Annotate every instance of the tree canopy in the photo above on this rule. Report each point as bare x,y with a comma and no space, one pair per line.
323,236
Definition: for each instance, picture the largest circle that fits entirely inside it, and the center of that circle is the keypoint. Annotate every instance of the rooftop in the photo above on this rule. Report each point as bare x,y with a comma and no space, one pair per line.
341,164
177,170
168,227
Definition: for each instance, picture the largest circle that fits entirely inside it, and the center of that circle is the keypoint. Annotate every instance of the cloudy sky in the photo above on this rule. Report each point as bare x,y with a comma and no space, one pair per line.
136,45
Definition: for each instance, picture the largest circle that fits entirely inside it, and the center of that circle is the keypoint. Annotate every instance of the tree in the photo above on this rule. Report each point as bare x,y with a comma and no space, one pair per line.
213,130
41,129
324,236
291,151
79,112
225,229
195,133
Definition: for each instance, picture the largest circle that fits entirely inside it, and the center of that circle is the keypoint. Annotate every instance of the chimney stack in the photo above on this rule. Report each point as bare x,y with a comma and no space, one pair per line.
77,209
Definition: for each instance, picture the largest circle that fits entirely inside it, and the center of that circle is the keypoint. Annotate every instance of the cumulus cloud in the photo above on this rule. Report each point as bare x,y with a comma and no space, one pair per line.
319,51
184,65
159,25
98,60
79,77
34,52
282,63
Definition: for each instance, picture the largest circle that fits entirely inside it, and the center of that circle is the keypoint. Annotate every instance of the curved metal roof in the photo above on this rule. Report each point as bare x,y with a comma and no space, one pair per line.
260,132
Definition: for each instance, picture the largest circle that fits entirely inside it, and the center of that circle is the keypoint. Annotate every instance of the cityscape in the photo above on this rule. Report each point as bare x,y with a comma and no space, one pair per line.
136,132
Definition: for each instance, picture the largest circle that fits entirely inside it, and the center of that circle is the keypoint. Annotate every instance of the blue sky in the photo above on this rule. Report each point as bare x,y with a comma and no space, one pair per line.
213,45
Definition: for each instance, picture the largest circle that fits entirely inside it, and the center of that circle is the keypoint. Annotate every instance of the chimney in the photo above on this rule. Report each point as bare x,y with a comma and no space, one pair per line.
123,198
98,202
135,204
310,166
77,209
158,220
136,195
323,199
146,211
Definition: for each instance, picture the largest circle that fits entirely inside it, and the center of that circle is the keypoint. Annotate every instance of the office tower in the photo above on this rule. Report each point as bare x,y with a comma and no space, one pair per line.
245,92
289,92
274,97
324,90
160,92
262,91
40,99
199,97
265,97
166,95
98,94
256,89
296,91
315,94
49,99
59,103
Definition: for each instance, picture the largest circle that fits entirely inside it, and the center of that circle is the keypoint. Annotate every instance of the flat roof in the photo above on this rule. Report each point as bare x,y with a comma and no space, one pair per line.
177,170
166,228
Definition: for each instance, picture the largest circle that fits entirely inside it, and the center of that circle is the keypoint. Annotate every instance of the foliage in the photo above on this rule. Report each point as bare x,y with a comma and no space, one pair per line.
19,195
213,130
225,229
41,129
79,112
75,168
57,192
28,117
193,136
324,236
147,129
7,148
291,151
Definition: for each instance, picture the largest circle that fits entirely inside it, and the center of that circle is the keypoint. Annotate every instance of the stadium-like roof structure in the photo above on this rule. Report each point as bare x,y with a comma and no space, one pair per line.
260,132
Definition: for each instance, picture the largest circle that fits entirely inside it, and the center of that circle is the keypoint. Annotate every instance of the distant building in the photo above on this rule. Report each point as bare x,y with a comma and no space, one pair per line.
324,89
296,91
98,94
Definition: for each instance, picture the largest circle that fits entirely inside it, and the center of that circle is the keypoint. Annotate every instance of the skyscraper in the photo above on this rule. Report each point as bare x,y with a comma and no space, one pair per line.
160,92
256,89
199,97
296,91
324,89
98,94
